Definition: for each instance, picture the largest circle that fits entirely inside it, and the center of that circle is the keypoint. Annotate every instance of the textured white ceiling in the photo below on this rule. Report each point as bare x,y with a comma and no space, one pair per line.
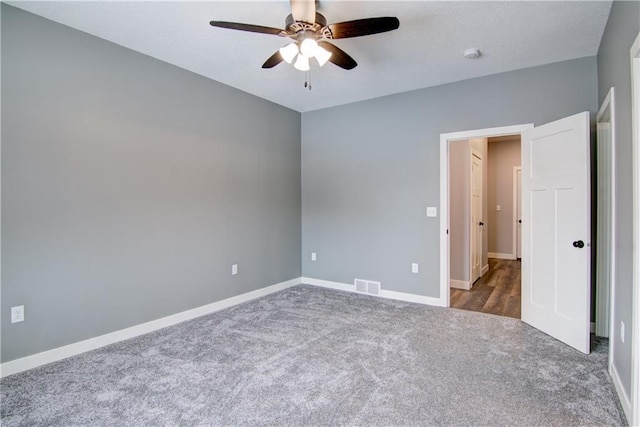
425,51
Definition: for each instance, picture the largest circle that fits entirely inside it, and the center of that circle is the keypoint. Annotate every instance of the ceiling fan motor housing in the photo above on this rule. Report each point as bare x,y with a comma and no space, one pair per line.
319,27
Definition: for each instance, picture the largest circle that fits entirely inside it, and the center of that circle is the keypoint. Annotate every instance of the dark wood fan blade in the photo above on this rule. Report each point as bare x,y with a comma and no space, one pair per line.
247,27
339,56
363,27
273,60
304,10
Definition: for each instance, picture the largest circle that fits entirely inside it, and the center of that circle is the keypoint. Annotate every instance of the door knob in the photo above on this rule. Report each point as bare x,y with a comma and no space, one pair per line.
481,223
519,221
578,244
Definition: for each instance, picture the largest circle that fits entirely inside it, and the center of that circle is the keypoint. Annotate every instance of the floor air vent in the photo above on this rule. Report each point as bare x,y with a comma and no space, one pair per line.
367,287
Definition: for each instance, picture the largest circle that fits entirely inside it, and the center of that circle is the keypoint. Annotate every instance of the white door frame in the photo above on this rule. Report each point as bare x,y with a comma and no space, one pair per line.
516,192
635,117
604,308
445,139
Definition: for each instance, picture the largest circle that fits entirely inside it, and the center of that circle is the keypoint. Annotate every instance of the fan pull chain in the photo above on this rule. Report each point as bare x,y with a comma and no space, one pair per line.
307,79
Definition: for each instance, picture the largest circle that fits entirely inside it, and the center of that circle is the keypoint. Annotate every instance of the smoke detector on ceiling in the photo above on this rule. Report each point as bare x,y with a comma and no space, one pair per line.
472,53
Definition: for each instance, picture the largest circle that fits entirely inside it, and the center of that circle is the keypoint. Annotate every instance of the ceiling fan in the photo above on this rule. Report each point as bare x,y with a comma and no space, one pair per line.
310,34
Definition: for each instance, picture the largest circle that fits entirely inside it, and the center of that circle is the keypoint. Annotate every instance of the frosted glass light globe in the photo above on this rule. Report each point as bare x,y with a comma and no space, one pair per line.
308,47
289,52
302,63
322,55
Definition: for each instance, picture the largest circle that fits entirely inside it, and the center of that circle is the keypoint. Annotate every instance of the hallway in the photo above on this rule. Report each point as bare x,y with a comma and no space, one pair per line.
497,292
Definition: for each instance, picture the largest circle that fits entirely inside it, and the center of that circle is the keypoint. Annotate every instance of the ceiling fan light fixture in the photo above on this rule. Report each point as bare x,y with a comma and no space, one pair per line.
305,26
289,52
302,63
309,47
322,55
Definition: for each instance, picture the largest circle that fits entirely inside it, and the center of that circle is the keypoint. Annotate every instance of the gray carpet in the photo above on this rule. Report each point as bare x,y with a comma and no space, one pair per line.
312,356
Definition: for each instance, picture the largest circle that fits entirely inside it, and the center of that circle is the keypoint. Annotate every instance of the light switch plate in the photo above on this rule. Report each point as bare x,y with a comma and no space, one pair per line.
17,314
432,211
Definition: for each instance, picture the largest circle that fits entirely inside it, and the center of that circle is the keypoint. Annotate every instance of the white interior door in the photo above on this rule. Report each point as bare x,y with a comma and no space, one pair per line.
556,287
518,213
476,216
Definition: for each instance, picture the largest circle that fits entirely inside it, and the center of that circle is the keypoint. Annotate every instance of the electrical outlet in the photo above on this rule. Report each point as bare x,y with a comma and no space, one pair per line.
432,211
622,331
499,208
414,267
313,256
17,314
234,269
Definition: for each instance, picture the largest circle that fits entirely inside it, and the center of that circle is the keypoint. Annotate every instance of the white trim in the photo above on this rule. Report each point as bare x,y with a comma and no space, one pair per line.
498,255
604,306
444,193
635,336
460,284
35,360
624,398
444,220
347,287
402,296
514,211
485,269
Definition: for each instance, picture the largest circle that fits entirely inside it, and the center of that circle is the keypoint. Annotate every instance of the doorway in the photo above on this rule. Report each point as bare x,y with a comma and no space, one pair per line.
447,183
495,280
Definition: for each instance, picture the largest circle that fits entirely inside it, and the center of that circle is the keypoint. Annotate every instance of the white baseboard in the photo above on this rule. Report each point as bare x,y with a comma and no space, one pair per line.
624,398
401,296
328,284
485,270
498,255
420,299
460,284
35,360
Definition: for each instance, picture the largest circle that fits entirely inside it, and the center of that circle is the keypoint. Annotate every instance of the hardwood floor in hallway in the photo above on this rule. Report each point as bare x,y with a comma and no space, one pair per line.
497,292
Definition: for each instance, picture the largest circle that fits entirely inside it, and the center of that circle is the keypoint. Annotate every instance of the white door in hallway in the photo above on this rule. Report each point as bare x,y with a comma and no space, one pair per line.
476,216
556,226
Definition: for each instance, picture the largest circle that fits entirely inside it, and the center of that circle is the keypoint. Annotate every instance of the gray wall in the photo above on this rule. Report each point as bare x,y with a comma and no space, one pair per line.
369,169
503,156
460,207
130,186
614,69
